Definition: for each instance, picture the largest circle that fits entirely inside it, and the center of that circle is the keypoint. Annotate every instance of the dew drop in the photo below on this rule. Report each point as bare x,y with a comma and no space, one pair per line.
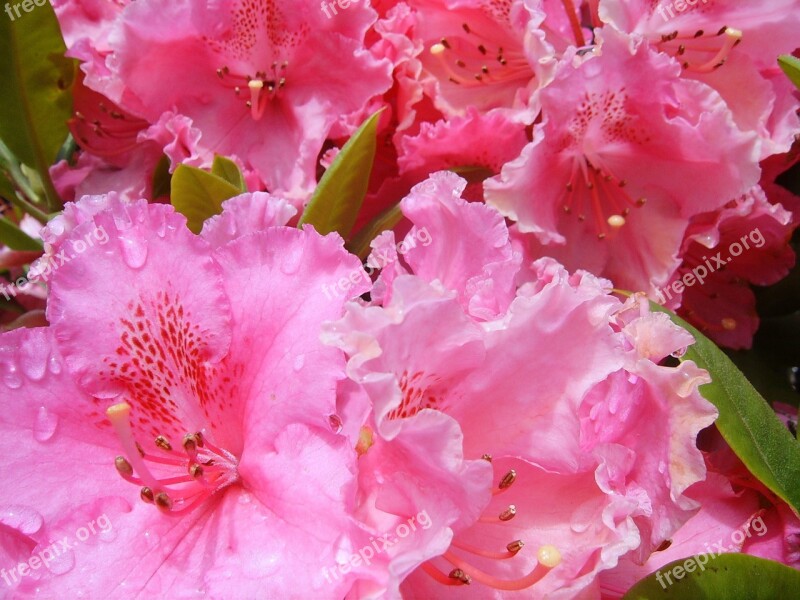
12,378
33,365
54,365
63,562
45,425
583,517
290,263
298,362
134,251
25,520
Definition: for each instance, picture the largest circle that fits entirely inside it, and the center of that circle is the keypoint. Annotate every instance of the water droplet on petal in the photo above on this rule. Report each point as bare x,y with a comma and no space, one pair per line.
298,362
134,251
45,425
12,378
25,520
290,262
63,561
33,365
55,365
583,517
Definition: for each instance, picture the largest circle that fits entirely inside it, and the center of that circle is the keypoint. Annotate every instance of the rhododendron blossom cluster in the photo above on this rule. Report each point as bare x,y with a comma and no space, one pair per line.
386,298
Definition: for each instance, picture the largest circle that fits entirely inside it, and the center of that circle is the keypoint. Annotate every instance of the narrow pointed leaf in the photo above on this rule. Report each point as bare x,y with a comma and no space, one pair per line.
35,101
341,191
198,195
16,239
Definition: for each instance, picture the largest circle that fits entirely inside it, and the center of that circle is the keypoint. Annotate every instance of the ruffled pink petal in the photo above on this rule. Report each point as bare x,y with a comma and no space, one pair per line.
245,214
158,322
276,281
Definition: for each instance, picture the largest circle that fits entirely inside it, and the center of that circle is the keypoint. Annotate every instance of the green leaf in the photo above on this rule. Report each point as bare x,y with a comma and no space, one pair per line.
16,239
359,244
229,171
341,191
35,102
24,195
791,66
162,179
199,195
731,576
746,420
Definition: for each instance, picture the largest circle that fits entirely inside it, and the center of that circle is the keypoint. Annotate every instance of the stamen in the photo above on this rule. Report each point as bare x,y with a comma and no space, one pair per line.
508,513
506,482
438,576
163,501
147,495
511,550
123,466
119,415
459,575
163,443
513,585
515,546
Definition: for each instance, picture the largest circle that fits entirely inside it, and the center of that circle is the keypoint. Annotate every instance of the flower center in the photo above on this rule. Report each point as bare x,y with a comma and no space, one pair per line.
463,573
256,91
473,60
701,52
183,478
608,201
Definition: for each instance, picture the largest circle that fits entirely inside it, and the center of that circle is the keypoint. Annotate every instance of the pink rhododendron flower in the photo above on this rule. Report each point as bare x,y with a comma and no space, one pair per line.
188,404
737,514
588,487
260,81
745,243
731,46
597,186
482,53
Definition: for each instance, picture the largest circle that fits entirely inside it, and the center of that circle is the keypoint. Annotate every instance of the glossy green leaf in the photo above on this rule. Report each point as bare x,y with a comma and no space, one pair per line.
729,576
229,171
198,195
386,220
341,191
16,239
746,420
35,102
791,66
